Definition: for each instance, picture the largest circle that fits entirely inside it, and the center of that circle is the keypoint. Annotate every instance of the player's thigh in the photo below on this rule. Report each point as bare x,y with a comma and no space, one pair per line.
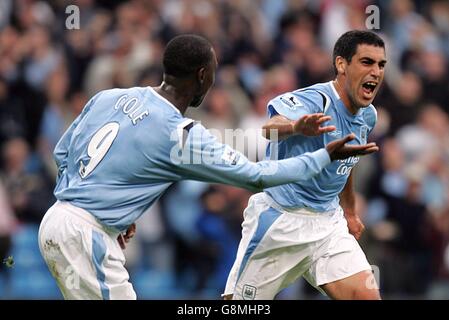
256,205
85,261
342,269
360,286
98,272
106,277
62,246
274,258
116,275
265,276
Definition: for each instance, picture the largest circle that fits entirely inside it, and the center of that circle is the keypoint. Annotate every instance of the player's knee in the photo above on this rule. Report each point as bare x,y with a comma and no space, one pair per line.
227,296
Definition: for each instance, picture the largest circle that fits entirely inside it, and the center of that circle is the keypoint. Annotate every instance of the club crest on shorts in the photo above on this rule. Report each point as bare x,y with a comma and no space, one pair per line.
249,292
363,134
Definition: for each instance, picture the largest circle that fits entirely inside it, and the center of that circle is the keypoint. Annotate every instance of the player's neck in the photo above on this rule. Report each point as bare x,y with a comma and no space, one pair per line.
353,109
175,95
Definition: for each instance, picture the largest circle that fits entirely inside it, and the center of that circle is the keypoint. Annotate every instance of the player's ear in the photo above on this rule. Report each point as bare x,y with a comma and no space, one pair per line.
340,64
201,75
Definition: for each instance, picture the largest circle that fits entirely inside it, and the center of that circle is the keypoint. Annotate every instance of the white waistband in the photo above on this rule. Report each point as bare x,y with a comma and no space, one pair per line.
85,215
302,211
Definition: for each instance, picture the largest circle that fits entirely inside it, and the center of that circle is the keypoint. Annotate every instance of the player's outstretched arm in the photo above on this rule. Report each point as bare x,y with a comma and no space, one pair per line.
211,161
203,158
307,125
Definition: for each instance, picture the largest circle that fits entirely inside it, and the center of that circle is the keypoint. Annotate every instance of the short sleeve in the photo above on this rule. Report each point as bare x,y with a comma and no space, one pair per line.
294,105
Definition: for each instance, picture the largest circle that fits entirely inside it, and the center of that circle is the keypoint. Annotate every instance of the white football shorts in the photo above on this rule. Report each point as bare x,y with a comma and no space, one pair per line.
278,246
85,259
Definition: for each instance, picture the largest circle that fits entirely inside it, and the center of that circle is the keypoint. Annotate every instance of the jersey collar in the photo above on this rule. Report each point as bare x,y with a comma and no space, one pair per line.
334,91
341,106
162,98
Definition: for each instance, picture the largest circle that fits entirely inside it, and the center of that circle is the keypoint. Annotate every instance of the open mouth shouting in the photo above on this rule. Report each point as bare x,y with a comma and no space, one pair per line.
369,89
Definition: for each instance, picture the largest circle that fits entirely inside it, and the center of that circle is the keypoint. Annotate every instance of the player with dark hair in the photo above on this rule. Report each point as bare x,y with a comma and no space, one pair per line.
309,228
125,149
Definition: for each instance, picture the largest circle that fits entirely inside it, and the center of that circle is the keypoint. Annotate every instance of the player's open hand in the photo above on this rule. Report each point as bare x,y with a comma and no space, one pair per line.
123,239
310,125
338,149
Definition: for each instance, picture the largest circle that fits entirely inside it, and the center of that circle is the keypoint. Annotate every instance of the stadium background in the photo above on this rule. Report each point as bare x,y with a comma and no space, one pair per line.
185,246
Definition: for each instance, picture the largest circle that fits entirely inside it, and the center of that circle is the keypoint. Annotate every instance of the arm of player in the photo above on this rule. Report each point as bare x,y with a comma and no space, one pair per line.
204,158
297,113
307,125
347,202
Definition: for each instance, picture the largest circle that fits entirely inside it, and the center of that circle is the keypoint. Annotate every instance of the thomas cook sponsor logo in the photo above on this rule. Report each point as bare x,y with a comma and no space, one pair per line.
345,166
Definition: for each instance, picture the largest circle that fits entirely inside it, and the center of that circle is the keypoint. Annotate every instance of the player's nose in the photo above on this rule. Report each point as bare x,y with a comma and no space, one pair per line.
375,71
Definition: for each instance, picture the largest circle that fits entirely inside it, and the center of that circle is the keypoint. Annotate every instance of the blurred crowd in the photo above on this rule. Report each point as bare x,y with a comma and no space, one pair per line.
186,243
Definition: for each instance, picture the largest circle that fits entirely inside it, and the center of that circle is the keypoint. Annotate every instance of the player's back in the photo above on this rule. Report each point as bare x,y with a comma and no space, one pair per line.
116,161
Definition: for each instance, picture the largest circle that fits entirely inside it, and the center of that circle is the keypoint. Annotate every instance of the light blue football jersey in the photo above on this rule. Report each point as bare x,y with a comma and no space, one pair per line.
129,145
321,192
